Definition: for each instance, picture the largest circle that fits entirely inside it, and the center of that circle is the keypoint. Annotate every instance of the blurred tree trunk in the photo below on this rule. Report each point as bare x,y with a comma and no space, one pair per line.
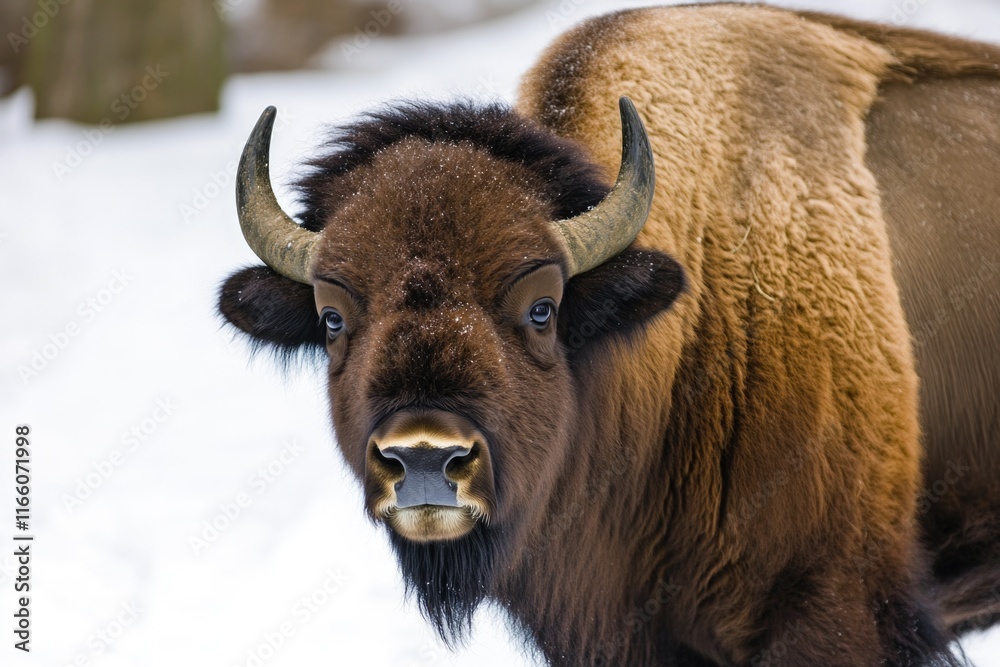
15,21
100,61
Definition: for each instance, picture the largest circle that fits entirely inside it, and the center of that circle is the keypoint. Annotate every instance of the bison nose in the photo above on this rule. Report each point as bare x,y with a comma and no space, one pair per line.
425,474
422,458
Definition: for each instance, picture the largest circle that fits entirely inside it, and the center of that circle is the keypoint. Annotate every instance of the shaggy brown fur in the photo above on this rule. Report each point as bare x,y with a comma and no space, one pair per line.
714,467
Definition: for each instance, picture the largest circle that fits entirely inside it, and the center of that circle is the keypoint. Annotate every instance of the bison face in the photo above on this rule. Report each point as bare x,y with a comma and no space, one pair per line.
439,291
456,265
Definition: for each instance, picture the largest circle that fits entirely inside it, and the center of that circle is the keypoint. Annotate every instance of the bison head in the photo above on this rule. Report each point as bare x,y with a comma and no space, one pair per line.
456,264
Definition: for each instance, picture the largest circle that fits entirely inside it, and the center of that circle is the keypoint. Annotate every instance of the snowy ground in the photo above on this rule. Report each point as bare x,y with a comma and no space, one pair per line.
147,421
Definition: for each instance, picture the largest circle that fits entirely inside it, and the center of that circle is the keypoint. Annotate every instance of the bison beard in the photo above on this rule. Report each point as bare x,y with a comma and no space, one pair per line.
449,579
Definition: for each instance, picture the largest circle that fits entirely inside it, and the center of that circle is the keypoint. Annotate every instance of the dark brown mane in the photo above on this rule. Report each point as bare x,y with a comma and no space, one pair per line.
565,175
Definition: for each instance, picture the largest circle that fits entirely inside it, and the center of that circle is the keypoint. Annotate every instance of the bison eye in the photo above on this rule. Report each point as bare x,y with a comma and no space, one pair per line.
334,321
540,312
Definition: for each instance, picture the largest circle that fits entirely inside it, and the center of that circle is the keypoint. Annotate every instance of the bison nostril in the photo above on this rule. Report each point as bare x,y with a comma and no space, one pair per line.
392,464
458,465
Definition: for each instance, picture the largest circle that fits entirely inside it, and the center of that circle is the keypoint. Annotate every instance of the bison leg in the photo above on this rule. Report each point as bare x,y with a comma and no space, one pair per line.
835,619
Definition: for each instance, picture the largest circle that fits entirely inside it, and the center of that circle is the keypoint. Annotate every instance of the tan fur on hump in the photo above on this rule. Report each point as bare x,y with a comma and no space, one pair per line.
763,196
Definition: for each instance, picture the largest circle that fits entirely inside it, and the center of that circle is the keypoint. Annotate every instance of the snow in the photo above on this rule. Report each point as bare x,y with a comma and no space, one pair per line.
144,406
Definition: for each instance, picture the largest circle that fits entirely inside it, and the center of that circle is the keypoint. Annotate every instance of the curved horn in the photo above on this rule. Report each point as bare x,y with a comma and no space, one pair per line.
596,236
273,236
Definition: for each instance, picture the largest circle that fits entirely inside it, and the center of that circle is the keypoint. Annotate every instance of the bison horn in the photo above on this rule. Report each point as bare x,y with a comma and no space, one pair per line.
596,236
284,245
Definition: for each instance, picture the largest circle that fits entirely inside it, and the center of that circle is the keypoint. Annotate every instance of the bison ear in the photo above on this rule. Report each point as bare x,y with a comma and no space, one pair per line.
618,297
273,310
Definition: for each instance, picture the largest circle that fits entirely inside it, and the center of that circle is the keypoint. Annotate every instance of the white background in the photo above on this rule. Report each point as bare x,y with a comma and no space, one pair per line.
143,202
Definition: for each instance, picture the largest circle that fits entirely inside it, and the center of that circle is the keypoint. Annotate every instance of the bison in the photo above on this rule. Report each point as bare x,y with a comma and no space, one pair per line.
675,420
